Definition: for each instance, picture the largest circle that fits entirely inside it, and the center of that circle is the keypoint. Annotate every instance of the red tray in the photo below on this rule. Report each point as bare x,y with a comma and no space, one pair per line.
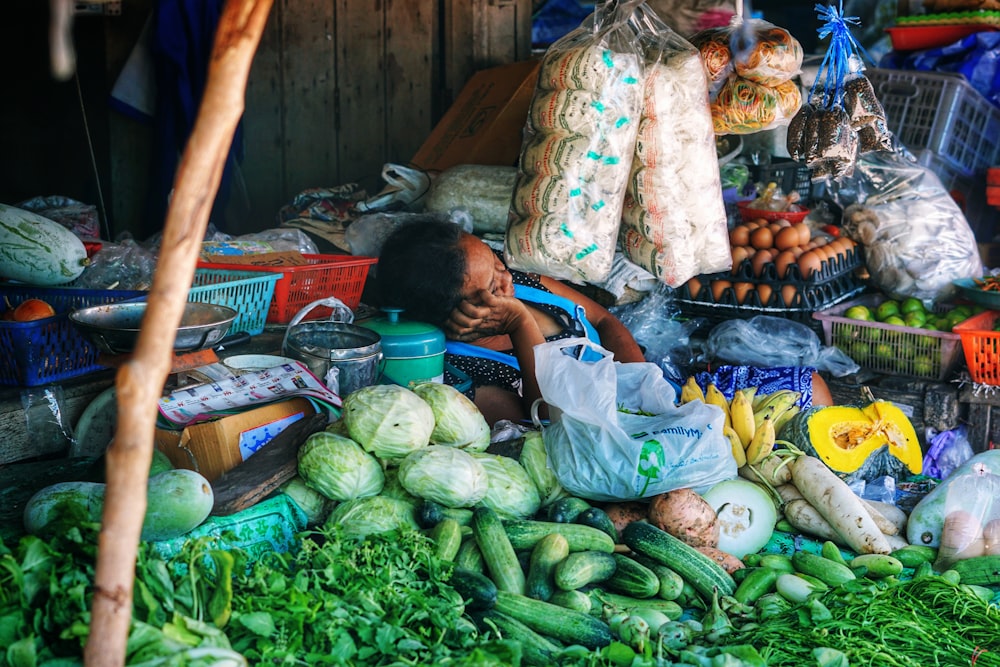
917,37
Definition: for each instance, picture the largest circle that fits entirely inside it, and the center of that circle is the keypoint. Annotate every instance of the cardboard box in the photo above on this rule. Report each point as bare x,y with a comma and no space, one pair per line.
485,124
212,448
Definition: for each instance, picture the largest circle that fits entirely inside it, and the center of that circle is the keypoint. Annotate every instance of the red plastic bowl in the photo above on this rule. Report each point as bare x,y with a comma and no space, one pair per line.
916,37
749,214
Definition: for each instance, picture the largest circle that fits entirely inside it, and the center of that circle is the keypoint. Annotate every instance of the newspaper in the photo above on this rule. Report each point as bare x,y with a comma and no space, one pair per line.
203,402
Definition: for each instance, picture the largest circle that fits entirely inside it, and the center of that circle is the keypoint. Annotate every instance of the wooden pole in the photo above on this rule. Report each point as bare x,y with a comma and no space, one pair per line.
139,382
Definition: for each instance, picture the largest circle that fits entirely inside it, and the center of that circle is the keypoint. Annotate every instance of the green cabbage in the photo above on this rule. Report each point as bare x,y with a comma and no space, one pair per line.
313,504
446,475
535,461
339,468
512,494
457,420
388,420
393,488
377,514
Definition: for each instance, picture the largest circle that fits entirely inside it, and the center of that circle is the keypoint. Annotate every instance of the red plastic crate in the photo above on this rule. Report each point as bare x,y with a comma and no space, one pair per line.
341,276
981,345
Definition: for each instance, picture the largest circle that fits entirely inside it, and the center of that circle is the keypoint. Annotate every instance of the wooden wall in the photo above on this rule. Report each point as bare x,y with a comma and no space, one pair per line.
338,88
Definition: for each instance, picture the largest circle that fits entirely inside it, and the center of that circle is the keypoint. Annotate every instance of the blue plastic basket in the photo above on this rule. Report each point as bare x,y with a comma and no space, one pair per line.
50,349
249,293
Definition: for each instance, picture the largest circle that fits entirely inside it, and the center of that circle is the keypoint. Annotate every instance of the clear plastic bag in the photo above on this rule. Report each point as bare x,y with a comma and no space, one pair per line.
916,238
615,432
665,339
674,222
125,265
565,213
771,342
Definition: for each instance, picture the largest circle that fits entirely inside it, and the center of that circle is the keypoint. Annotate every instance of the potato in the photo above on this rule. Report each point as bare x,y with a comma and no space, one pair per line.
729,562
687,516
624,513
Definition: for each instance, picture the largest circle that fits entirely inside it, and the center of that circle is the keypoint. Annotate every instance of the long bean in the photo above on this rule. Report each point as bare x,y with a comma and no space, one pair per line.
923,623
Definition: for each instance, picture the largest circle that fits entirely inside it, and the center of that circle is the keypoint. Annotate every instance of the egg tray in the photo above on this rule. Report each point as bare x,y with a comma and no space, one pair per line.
830,269
808,297
715,313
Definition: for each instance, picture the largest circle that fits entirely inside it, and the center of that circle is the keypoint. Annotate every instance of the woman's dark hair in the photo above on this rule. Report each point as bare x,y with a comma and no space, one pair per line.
421,269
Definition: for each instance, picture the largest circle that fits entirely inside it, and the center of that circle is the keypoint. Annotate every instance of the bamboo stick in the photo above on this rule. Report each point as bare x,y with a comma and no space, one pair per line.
140,381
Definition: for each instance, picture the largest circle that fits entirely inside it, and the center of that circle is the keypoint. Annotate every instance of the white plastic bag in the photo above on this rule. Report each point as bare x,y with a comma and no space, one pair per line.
615,432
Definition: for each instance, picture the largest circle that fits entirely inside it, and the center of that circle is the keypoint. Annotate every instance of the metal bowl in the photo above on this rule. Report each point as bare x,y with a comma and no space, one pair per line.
114,327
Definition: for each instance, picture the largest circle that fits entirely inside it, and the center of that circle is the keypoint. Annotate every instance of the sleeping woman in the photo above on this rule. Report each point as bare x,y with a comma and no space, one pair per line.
492,316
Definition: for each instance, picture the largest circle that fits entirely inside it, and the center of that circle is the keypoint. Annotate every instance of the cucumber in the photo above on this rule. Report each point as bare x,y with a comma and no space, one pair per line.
979,570
878,565
470,557
547,554
536,649
597,518
671,583
703,573
759,581
430,514
913,555
38,251
177,501
632,578
525,534
830,572
478,591
779,562
498,553
562,624
566,510
627,603
583,567
576,600
447,536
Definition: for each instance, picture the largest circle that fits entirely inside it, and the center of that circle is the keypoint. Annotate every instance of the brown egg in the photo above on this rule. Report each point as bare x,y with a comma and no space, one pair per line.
719,288
805,234
797,251
693,287
740,254
739,235
788,294
782,261
787,237
774,227
760,259
764,292
809,263
761,238
742,290
783,222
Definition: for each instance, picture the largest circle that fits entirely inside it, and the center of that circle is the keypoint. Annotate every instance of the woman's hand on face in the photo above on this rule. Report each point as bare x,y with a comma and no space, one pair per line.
485,315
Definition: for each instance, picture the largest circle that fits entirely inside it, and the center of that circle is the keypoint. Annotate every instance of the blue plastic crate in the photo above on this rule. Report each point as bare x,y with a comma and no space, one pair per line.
249,293
50,349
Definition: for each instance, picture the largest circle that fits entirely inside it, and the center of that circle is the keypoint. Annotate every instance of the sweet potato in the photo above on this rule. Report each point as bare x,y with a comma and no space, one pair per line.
624,513
729,562
687,516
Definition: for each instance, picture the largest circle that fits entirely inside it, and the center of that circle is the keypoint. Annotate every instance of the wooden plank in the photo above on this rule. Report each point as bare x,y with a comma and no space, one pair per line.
258,476
502,32
360,114
263,171
308,94
411,78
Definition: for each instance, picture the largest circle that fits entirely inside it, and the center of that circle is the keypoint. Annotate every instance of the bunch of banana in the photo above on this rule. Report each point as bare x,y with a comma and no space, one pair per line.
751,421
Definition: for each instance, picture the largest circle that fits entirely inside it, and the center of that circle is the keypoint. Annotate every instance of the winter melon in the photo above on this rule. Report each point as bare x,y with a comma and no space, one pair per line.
38,251
177,501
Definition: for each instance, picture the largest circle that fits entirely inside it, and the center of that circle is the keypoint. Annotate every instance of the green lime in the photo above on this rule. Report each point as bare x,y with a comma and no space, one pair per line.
895,320
965,310
911,304
859,313
886,309
885,351
955,316
859,352
915,319
923,366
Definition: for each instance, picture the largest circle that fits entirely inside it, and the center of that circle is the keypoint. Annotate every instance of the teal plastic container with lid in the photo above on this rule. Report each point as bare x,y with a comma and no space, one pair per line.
413,352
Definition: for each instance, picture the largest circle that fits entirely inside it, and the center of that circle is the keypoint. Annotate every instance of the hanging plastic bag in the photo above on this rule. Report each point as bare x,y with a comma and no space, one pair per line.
750,65
577,149
916,238
843,118
615,432
674,221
